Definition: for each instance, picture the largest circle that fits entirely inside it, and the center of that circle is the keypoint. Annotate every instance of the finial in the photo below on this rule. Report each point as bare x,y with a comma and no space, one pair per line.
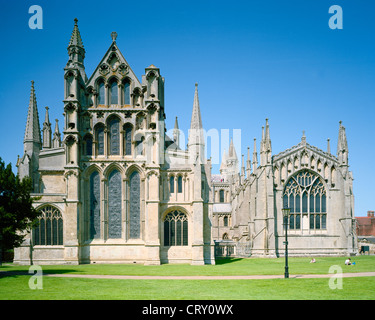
114,36
75,21
47,108
196,84
32,83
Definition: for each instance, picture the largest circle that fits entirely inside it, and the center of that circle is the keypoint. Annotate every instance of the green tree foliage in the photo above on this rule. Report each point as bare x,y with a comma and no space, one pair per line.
17,215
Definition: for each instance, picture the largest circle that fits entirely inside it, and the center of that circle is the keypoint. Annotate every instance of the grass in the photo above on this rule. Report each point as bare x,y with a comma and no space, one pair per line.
16,287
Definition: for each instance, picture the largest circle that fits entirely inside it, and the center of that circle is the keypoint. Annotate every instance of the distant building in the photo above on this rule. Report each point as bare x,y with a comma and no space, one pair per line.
366,225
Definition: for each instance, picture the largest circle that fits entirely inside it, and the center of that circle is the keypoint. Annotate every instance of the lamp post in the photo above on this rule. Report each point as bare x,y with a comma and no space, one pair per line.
286,212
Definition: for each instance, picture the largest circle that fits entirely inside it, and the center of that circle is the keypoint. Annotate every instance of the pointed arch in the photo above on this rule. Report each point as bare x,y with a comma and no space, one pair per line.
100,89
126,90
94,205
113,125
49,230
305,194
99,137
113,90
128,138
114,204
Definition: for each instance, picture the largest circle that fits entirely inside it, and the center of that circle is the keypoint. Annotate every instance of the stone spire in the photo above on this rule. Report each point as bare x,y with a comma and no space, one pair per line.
76,51
176,133
196,137
196,119
328,146
75,39
342,146
32,132
47,132
56,141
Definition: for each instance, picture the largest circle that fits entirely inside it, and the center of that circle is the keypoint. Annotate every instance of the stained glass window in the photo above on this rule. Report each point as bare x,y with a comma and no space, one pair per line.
114,205
134,207
101,93
94,205
50,228
306,191
175,229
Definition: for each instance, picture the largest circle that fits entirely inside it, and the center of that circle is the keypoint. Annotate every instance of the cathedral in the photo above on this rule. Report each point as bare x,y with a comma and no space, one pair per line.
113,187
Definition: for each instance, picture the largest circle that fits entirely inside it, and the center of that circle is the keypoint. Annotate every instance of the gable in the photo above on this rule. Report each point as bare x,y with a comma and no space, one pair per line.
113,64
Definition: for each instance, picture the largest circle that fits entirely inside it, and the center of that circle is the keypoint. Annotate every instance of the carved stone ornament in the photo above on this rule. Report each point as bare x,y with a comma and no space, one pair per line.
104,69
123,69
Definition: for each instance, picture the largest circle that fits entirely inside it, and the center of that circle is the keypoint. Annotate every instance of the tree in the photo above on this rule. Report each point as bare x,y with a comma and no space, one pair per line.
17,214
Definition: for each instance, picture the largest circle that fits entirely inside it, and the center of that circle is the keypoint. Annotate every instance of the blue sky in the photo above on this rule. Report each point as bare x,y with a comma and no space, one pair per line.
252,59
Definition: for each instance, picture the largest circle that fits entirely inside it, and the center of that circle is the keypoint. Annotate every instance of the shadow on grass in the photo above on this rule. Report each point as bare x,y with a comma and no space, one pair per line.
15,273
220,261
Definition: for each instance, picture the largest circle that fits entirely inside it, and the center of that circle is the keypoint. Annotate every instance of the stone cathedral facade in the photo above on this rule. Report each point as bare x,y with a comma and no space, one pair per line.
115,188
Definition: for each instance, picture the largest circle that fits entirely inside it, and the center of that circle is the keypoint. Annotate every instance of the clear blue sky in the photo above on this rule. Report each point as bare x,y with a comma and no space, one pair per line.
252,59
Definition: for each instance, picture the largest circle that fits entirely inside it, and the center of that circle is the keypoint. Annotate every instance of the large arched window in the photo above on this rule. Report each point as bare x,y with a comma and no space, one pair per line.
171,184
49,231
305,194
114,92
221,195
135,206
126,91
176,229
100,139
128,139
87,145
114,136
114,205
101,92
94,205
179,184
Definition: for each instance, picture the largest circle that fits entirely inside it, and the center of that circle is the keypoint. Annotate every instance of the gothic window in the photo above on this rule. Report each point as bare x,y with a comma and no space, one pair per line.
49,231
176,229
126,92
179,184
305,194
221,195
171,184
128,139
134,205
114,137
114,205
101,92
94,205
225,236
88,145
100,139
225,220
114,92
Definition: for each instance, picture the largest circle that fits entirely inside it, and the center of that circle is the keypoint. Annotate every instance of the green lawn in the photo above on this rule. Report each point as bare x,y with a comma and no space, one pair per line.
16,286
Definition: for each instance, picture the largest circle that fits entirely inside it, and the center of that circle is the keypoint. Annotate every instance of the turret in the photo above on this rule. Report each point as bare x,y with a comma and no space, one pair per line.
56,141
342,146
265,146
